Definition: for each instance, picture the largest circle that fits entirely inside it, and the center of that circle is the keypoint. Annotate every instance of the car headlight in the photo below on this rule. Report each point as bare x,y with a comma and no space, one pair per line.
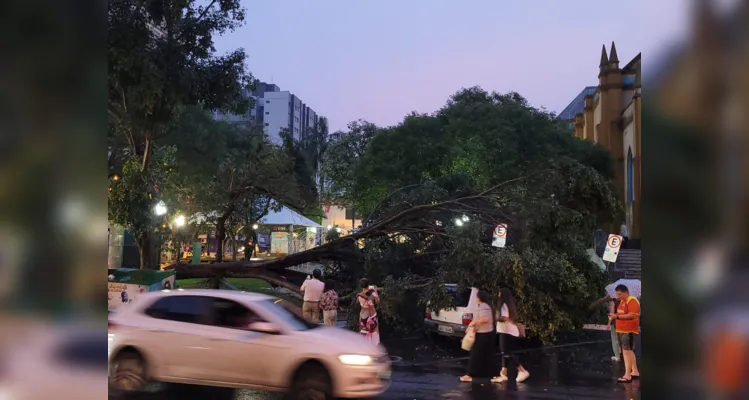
356,359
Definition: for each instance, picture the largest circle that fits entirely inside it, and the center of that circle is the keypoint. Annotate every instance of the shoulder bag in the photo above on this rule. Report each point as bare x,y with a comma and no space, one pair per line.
468,339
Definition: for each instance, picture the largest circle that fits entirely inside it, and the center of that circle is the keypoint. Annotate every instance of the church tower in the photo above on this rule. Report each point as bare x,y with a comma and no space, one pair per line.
609,124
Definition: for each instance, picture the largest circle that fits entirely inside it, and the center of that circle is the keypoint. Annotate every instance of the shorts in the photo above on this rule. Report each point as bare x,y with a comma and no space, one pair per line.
626,340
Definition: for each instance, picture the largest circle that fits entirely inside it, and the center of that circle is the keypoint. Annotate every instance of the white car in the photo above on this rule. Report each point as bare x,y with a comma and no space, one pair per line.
239,340
452,322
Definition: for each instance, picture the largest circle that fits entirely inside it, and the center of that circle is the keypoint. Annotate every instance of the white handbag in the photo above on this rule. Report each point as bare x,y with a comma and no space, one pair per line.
468,339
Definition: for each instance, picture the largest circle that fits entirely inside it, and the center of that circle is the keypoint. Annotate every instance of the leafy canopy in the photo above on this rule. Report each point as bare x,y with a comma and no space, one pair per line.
161,58
483,159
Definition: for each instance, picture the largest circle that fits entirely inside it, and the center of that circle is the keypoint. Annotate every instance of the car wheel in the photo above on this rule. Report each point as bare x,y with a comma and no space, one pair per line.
128,372
312,382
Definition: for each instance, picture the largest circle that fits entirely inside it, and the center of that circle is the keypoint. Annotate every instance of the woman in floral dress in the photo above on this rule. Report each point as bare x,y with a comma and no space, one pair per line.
329,304
368,324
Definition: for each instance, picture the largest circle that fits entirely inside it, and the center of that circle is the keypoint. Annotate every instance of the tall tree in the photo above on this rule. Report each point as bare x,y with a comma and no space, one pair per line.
342,154
161,59
132,199
314,144
485,158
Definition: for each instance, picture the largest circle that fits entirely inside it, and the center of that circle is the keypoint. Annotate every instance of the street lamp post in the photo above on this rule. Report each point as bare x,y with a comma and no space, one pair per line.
179,222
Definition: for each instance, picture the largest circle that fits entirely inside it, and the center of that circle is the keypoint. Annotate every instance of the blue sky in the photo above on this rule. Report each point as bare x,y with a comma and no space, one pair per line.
381,59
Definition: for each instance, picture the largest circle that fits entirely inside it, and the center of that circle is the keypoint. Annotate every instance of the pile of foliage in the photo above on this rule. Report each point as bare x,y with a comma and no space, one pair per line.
483,159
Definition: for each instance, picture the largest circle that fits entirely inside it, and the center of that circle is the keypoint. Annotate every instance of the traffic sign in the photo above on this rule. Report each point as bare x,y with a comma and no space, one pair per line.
613,244
499,238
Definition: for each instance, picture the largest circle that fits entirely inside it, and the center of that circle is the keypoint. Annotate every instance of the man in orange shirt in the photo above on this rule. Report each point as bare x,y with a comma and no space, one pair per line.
627,319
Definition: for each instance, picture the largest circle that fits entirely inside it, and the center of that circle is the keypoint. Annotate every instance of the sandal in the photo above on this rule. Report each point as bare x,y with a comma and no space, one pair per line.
466,378
635,376
624,380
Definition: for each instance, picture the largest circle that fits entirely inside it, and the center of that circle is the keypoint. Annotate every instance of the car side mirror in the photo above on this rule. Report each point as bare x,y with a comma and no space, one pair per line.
264,327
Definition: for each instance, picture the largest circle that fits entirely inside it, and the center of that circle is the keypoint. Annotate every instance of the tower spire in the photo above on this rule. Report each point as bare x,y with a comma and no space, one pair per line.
604,66
613,58
604,58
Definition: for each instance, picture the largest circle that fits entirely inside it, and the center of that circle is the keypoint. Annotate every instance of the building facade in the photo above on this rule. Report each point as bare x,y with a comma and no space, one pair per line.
275,110
610,114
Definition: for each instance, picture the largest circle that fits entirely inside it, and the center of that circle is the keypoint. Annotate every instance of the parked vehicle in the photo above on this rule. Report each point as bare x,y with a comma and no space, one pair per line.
452,322
240,340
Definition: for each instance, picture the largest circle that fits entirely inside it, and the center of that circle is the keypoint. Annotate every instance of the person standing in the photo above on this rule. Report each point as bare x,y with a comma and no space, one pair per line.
613,303
482,363
624,231
509,334
329,304
312,290
627,319
368,323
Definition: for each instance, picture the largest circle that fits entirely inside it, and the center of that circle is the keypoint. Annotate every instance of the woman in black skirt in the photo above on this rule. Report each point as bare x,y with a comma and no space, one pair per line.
482,363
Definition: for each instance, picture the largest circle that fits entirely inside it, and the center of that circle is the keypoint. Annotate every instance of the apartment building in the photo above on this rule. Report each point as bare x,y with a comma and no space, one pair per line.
275,110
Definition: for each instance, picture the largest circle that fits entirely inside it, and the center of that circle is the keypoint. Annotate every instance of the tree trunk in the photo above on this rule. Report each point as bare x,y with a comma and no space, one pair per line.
255,244
147,259
234,247
220,236
221,232
227,240
146,155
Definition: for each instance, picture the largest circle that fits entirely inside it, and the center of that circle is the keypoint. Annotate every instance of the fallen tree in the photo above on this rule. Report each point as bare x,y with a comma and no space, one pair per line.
406,222
432,190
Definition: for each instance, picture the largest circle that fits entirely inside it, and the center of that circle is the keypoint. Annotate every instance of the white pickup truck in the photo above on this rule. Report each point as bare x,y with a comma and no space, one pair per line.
452,322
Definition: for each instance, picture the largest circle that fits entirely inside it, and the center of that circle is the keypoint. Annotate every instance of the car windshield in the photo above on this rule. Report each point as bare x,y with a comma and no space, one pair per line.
287,313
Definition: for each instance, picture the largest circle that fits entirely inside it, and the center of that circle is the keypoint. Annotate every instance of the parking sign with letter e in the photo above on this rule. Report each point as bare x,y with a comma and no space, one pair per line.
613,244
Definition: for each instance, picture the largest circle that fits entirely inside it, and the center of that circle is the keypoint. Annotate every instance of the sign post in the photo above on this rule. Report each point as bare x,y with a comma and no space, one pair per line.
613,244
499,238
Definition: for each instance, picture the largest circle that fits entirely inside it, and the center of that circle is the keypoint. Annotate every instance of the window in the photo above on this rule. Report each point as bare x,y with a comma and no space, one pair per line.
230,314
595,134
267,113
267,123
267,101
85,351
630,177
287,313
188,309
459,299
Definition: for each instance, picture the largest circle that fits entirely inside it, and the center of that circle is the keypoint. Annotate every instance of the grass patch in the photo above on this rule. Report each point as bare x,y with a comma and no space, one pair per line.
197,283
249,284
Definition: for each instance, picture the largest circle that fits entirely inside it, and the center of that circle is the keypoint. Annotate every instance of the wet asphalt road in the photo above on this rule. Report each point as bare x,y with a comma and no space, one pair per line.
426,370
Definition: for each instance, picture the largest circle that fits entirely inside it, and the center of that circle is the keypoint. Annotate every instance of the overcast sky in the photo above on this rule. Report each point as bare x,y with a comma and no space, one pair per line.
381,59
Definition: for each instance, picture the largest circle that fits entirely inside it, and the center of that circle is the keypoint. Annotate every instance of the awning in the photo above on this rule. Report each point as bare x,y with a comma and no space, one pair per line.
288,217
